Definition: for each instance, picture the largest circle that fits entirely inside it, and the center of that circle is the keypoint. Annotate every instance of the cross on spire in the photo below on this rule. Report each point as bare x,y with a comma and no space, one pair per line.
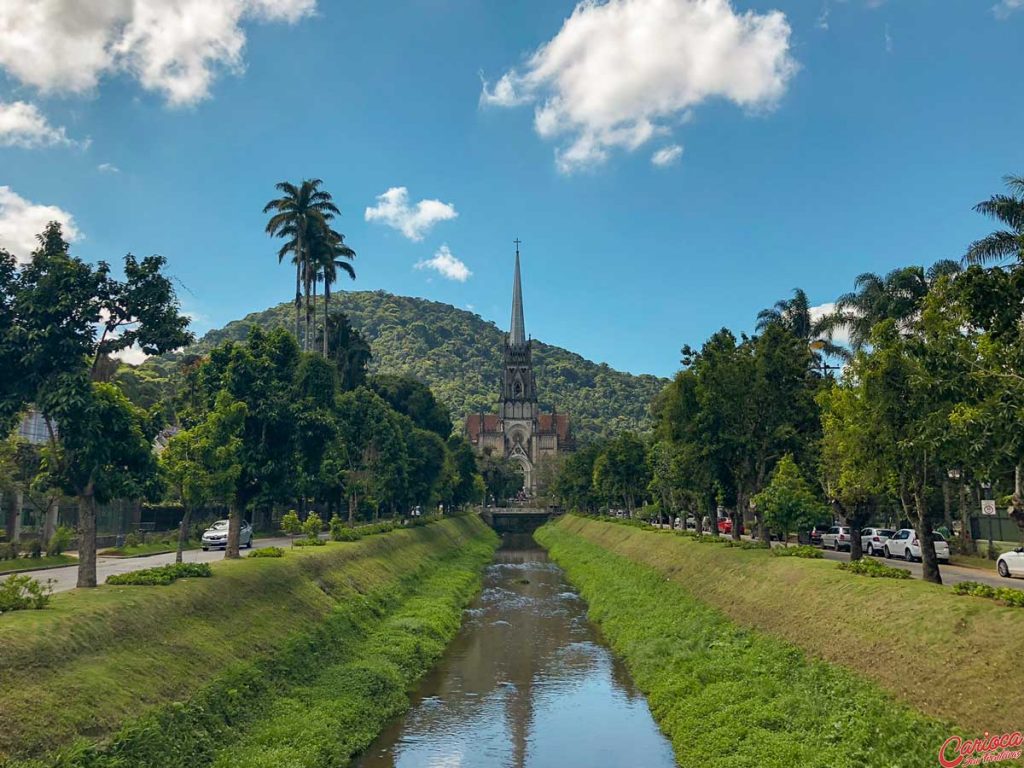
518,242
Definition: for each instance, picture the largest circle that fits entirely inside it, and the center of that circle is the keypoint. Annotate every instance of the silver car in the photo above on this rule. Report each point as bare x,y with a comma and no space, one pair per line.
216,536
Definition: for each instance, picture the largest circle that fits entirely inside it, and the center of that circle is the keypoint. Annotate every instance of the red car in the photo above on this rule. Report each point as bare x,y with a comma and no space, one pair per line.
725,526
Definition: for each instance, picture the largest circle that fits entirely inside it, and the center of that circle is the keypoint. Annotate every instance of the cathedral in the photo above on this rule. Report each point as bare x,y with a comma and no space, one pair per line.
519,431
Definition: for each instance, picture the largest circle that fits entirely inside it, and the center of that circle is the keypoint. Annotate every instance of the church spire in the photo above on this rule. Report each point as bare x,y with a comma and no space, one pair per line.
517,331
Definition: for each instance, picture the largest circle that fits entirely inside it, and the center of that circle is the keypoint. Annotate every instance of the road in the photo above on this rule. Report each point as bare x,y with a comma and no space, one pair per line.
67,577
951,574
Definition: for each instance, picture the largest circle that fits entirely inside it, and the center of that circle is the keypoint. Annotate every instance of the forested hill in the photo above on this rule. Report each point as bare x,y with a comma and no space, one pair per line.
458,354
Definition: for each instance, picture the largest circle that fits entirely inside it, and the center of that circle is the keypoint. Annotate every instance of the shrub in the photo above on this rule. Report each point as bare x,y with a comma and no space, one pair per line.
131,540
59,541
291,524
20,592
811,553
1014,597
161,575
313,525
308,543
341,532
9,551
874,569
267,552
35,549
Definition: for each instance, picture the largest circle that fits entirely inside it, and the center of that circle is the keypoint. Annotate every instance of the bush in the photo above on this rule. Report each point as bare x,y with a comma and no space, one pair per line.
308,543
290,523
1014,597
874,569
20,592
35,549
313,525
9,551
267,552
161,575
131,540
341,532
60,541
811,553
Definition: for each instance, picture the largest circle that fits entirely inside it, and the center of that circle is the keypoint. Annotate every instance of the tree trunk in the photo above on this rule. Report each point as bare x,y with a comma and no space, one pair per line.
947,504
327,311
929,563
856,551
353,502
50,520
12,519
186,520
967,542
234,531
298,297
87,538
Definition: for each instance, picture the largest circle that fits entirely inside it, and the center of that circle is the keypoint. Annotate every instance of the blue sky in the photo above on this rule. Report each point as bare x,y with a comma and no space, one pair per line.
816,141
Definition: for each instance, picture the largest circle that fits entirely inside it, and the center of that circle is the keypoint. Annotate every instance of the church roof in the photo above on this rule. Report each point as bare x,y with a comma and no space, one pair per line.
478,424
517,330
557,423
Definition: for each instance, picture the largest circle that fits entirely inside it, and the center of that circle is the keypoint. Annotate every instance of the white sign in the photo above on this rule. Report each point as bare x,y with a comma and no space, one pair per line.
988,507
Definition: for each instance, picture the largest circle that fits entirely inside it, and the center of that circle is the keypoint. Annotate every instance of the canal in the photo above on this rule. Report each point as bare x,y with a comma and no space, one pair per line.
527,683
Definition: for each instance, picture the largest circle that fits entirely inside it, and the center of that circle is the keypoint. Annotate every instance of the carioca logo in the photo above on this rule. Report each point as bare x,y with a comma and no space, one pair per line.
956,750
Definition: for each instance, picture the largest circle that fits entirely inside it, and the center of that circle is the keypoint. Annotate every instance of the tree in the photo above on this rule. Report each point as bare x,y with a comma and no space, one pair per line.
291,524
300,210
55,303
349,351
1003,243
788,503
796,317
503,478
414,399
621,473
329,255
575,483
203,464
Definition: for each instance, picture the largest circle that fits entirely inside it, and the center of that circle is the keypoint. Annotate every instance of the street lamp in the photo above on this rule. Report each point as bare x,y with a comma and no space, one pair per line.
954,474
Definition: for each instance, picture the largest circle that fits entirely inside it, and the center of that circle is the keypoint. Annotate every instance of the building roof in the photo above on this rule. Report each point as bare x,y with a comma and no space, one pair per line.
554,423
478,424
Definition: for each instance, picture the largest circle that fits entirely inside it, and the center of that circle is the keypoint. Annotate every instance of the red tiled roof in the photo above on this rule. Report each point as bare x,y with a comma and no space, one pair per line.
547,424
554,422
478,423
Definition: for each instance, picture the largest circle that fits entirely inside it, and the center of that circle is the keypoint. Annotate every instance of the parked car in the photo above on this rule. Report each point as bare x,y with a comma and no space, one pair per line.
1011,563
904,543
691,524
815,534
216,536
725,526
837,537
872,540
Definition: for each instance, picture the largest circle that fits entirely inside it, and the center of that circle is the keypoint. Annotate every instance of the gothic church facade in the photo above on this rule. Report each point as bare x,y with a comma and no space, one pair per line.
519,431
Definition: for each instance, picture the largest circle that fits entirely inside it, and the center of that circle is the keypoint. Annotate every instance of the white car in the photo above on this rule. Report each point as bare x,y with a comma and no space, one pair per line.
904,543
1011,563
872,540
216,536
837,537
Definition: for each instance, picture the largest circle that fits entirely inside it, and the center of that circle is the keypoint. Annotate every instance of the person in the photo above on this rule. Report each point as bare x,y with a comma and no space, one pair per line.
676,525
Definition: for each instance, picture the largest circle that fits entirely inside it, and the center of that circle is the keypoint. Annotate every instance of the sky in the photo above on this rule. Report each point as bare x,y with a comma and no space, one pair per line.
671,166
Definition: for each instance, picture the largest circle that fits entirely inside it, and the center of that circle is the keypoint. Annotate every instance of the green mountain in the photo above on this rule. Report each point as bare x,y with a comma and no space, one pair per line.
459,355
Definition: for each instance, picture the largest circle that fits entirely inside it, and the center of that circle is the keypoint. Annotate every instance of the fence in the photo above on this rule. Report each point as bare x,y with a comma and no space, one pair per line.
1001,527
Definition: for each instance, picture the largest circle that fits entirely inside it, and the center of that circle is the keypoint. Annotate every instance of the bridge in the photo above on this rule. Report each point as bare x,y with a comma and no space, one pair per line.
518,519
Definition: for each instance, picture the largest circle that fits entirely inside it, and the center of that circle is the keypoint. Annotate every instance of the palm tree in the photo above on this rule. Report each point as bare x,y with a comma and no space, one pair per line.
296,212
1003,243
897,296
328,255
796,317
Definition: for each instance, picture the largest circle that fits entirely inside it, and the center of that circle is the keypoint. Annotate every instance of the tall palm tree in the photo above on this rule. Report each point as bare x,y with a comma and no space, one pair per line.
796,317
299,209
329,254
1003,243
897,296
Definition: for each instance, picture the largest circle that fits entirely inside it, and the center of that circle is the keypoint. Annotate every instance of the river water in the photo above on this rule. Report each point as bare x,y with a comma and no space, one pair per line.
526,683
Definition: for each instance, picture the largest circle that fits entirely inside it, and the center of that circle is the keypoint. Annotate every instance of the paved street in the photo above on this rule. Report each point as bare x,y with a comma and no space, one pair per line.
65,578
951,574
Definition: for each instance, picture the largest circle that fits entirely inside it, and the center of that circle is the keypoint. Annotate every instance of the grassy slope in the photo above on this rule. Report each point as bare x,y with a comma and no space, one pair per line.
99,658
727,696
959,656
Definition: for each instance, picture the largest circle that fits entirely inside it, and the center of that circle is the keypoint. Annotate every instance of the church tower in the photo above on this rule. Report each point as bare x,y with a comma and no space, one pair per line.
519,431
518,385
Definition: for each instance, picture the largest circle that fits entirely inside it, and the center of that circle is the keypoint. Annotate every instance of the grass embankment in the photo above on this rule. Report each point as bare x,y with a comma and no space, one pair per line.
955,658
238,652
36,563
729,696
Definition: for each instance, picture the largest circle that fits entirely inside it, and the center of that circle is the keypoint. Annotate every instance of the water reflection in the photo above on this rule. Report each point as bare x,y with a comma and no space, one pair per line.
525,684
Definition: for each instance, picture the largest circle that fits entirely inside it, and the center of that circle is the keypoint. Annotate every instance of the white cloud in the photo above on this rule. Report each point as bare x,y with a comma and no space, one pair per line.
23,125
132,355
21,221
413,221
107,168
1004,8
619,73
446,264
822,22
888,39
840,335
174,47
666,156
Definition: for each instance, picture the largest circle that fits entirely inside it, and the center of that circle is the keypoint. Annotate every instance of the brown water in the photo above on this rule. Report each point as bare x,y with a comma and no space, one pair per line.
525,684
